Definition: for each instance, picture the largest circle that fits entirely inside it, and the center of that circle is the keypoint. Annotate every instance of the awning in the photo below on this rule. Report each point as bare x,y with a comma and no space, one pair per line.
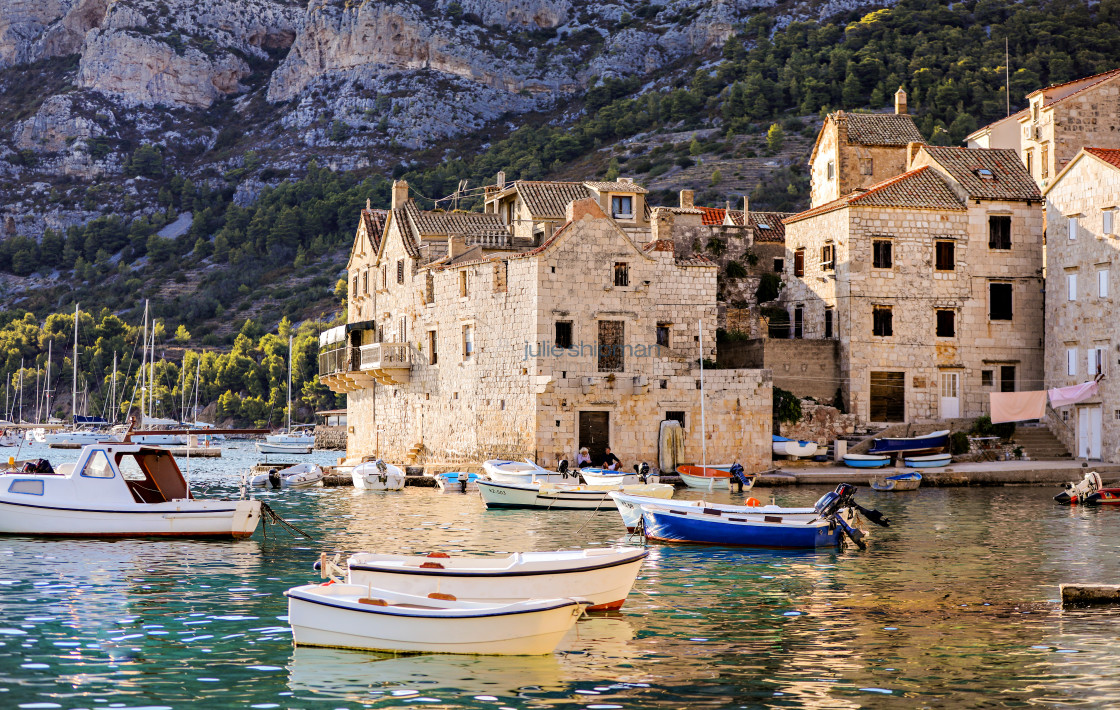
361,325
332,336
79,419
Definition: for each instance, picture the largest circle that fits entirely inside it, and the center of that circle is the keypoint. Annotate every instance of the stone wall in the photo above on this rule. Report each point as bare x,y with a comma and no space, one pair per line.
330,437
833,146
807,368
1088,322
1083,119
820,423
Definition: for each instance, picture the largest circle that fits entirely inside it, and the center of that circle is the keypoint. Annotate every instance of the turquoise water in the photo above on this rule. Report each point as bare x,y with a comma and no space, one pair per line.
953,606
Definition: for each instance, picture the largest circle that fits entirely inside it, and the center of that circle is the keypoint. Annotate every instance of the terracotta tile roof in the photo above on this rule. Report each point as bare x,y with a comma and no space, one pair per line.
767,226
712,215
617,187
987,173
1092,81
374,221
1108,155
549,199
923,189
881,128
415,224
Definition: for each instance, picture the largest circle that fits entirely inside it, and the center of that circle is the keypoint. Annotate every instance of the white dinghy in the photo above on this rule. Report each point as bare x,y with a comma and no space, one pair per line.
502,471
377,476
116,490
265,447
301,475
602,576
558,496
357,616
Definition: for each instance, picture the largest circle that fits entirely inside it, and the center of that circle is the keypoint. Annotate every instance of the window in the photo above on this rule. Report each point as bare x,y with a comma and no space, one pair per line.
402,329
779,265
365,282
433,356
1107,222
799,262
468,341
865,166
828,323
946,323
1071,287
30,487
400,271
1071,362
675,417
98,466
985,378
563,334
621,273
881,254
622,206
946,256
1044,162
610,345
663,335
354,287
881,321
831,169
985,174
1029,160
1006,378
1071,227
799,322
999,232
1102,283
999,301
828,258
1094,362
384,277
429,288
463,283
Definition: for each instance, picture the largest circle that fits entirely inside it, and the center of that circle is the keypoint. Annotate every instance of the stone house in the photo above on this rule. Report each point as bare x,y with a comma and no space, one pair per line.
930,281
533,210
588,338
857,150
1082,333
1059,121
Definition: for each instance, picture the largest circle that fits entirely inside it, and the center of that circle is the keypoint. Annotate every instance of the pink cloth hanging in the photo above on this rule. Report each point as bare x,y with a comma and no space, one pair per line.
1061,396
1017,406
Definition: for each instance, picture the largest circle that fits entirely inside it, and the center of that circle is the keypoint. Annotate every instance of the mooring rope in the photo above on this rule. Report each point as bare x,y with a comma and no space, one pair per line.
268,515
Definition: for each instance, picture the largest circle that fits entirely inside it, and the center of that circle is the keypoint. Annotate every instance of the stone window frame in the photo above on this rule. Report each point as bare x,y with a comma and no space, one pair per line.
433,345
556,329
1071,285
1095,361
1073,225
1028,160
828,257
618,205
663,334
877,253
677,415
400,271
987,378
609,359
938,264
621,273
866,166
1011,300
952,322
779,264
999,237
365,282
882,321
468,349
1044,160
1108,221
829,322
355,285
1103,278
1072,357
464,289
830,169
799,262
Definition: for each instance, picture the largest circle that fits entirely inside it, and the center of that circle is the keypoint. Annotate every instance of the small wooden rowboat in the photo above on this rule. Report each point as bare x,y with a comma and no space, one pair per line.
602,576
709,478
607,477
865,461
931,461
357,616
908,481
558,496
927,442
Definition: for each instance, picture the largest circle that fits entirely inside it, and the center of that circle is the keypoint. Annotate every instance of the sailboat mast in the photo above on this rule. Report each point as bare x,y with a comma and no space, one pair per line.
38,402
289,384
197,373
74,391
20,389
152,371
47,384
703,436
113,390
143,360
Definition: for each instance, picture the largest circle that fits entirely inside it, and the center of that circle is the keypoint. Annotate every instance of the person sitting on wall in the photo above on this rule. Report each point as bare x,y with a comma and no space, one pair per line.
611,461
584,458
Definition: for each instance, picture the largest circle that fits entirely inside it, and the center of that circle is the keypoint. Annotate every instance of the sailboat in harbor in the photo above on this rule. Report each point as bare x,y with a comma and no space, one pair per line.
84,430
147,394
289,442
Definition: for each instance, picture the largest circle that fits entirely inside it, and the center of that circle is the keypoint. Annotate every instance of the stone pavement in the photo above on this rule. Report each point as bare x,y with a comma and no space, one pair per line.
979,473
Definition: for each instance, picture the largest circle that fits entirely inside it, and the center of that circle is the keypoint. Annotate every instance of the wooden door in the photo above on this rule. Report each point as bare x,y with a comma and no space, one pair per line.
594,433
888,397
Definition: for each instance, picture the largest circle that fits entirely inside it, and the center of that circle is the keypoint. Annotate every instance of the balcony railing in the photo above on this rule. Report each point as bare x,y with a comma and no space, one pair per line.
339,369
388,363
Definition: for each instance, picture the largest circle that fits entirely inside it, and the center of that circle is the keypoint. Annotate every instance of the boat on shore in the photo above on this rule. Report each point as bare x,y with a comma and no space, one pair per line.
932,442
364,617
602,576
117,490
865,461
930,461
908,481
377,476
792,447
303,475
558,496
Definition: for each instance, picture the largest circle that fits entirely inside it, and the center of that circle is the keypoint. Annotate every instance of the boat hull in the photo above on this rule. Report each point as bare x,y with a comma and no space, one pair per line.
792,448
338,621
686,527
523,472
934,461
175,519
866,462
368,477
901,482
934,441
707,483
602,577
630,508
553,497
604,477
449,482
295,449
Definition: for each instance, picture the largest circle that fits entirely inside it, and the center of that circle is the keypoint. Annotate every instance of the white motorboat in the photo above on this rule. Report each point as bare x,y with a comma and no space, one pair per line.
502,471
79,437
301,475
607,477
302,436
792,447
457,481
10,438
602,576
377,476
292,449
630,508
117,490
558,496
154,438
360,616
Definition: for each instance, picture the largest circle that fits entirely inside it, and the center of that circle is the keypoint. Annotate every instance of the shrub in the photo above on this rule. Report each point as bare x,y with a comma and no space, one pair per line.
735,270
958,443
787,406
769,286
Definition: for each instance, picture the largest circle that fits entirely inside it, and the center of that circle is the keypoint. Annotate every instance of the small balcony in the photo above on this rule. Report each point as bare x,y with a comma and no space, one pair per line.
339,369
388,363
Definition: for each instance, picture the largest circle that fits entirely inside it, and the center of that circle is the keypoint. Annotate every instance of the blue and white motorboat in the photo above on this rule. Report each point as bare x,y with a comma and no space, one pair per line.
927,442
457,481
931,461
908,481
523,472
792,447
630,508
712,526
865,461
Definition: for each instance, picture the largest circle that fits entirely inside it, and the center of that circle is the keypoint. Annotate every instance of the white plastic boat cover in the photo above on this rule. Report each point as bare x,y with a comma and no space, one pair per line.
334,335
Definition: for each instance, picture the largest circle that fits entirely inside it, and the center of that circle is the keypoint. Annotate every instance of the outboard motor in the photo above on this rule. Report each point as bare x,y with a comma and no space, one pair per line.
739,477
274,478
562,468
642,471
1081,492
382,471
464,478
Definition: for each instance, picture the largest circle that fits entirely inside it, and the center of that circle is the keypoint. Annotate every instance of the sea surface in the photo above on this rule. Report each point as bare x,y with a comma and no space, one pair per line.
953,606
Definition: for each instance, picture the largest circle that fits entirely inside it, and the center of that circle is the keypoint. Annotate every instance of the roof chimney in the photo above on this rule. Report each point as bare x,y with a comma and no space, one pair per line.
687,197
367,203
900,101
456,245
400,194
662,228
501,179
746,208
727,213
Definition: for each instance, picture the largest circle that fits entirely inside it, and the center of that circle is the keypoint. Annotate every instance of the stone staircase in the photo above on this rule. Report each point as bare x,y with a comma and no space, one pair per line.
413,454
1040,444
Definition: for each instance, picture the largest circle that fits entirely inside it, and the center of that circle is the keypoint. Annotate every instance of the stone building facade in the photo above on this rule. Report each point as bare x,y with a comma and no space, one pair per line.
1082,282
931,281
589,337
857,150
